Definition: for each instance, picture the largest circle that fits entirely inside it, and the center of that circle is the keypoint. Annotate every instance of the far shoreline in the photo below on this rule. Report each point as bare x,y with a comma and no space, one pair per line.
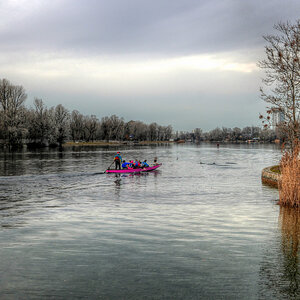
137,143
114,143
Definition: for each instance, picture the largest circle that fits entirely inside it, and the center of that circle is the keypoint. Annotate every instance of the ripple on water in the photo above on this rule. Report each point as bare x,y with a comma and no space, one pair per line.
187,231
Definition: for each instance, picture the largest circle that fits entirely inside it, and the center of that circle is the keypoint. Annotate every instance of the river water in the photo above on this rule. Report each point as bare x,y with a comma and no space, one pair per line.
200,227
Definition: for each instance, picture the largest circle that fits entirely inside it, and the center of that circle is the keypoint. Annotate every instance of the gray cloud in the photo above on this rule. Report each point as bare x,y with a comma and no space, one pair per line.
137,26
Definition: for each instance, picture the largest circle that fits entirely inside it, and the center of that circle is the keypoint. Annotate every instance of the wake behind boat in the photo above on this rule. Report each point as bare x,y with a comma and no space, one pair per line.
132,170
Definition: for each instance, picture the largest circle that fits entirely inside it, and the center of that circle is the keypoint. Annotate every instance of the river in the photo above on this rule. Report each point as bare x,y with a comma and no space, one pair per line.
200,227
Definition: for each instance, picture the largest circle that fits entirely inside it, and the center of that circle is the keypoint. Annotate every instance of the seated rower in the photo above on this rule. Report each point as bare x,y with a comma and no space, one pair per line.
130,165
137,164
145,164
125,164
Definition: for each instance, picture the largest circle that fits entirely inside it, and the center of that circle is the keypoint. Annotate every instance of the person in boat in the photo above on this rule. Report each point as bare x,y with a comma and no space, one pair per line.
155,161
125,164
130,164
118,160
137,164
145,164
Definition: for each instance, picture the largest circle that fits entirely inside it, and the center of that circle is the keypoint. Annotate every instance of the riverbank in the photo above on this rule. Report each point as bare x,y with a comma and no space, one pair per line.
271,176
114,143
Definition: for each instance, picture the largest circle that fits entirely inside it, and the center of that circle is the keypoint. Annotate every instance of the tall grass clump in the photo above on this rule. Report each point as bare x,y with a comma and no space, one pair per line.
289,184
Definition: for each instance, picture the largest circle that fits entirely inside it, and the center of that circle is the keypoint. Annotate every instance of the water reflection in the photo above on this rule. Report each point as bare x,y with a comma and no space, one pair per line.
289,220
280,268
118,183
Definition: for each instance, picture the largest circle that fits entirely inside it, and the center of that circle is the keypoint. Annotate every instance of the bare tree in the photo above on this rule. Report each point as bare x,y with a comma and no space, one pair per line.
160,133
117,127
91,124
61,123
105,128
216,134
236,133
282,69
39,124
76,125
112,128
198,134
153,131
267,135
12,98
141,131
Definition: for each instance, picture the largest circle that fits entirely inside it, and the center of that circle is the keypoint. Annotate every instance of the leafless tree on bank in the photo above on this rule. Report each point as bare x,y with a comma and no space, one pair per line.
91,124
39,124
12,98
76,126
61,119
282,71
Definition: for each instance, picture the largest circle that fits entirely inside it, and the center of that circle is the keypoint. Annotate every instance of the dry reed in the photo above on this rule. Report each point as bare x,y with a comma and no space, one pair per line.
289,184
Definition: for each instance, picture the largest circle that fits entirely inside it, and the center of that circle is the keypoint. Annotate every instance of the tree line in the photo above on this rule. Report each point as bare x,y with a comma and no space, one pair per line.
233,135
42,126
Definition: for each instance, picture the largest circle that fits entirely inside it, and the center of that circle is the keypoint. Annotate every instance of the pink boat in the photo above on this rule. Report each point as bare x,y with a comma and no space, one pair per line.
134,170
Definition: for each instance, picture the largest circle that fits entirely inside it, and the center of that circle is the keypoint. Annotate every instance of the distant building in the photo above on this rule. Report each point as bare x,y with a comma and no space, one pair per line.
277,116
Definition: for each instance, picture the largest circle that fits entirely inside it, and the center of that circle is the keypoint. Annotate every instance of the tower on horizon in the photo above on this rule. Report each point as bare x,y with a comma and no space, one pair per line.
277,116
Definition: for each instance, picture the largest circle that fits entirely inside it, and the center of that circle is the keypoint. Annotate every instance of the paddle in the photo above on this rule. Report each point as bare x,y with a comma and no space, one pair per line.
109,167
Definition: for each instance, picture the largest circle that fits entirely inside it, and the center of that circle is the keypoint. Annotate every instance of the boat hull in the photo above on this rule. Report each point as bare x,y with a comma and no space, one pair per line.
139,170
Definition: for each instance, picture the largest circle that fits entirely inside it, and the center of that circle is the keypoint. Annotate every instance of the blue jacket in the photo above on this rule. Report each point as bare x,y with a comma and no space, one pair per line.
125,164
145,165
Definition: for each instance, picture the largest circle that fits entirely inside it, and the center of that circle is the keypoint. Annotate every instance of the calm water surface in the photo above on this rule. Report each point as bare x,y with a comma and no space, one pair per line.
201,227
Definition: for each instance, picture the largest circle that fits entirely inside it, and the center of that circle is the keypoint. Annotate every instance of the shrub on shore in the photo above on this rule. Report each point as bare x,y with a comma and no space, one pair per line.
289,185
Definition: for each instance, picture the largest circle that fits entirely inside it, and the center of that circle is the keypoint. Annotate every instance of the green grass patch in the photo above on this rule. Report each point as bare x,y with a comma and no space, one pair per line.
275,169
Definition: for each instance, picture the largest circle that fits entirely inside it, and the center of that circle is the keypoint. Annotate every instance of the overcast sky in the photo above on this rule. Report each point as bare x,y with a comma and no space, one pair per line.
188,63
